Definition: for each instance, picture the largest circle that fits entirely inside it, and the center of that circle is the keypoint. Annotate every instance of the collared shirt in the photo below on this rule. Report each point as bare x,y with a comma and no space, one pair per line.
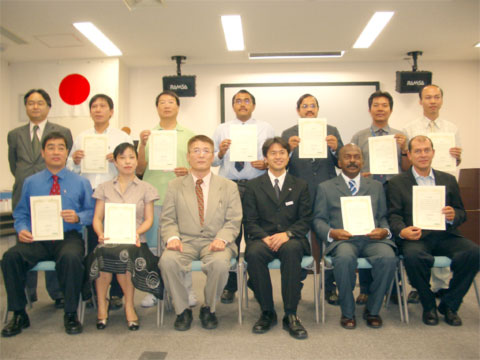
227,168
281,179
41,128
115,138
356,180
75,191
361,139
160,178
428,180
422,126
205,187
137,192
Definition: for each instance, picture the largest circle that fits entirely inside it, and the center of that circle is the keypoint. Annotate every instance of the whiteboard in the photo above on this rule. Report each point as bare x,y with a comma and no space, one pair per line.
343,104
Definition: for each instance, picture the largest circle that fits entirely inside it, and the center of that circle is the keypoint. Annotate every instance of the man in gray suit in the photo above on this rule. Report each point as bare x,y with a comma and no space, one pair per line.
201,218
376,246
24,157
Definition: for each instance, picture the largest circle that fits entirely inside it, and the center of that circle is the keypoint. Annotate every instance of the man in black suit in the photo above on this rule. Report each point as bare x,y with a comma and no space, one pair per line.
420,246
277,212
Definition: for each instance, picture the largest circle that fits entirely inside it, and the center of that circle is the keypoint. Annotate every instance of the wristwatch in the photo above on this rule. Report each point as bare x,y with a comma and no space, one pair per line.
289,234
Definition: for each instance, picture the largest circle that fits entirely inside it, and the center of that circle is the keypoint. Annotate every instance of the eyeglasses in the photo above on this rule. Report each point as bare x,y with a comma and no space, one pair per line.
306,106
244,101
198,151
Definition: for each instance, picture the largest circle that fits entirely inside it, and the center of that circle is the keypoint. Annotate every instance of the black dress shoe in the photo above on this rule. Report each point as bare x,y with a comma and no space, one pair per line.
59,303
115,303
267,320
430,317
208,319
294,326
373,321
332,297
451,317
183,321
15,326
227,296
413,297
72,325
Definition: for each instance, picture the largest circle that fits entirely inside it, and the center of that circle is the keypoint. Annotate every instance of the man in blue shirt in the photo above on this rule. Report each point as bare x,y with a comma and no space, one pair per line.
77,205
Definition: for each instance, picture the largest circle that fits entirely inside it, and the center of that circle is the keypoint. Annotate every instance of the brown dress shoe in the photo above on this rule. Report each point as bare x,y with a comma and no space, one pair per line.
373,321
348,323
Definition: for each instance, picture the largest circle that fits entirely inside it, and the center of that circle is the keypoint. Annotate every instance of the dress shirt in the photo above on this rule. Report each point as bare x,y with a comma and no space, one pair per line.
41,128
227,168
160,178
75,191
428,180
281,179
422,125
115,138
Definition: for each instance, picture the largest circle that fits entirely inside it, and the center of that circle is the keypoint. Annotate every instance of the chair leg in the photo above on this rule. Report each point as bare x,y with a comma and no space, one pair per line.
389,294
476,290
159,309
245,286
239,272
322,289
315,292
399,297
404,290
163,306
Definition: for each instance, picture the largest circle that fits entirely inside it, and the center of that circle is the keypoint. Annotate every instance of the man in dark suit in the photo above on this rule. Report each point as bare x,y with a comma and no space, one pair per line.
24,157
344,248
314,171
420,246
277,212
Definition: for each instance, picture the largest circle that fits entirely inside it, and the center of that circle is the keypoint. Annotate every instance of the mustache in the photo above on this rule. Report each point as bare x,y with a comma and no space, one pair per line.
352,165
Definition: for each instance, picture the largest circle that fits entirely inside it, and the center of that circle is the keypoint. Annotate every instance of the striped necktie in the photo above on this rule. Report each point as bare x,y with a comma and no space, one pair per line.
352,187
199,192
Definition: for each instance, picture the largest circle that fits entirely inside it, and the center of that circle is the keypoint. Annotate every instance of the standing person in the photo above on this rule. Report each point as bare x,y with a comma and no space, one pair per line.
101,111
420,246
134,265
314,171
168,105
380,107
243,103
431,100
24,157
68,254
201,218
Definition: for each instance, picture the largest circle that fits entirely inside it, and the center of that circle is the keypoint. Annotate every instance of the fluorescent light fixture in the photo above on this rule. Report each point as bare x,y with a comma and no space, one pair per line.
98,39
374,27
478,45
232,28
296,55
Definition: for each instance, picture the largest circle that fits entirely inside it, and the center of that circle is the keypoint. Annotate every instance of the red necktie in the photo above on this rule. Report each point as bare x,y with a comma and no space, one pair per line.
199,192
55,189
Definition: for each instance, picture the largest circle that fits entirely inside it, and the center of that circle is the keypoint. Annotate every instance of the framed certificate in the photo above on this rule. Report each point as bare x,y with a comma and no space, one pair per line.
244,143
357,214
383,155
428,202
162,150
312,133
120,223
47,223
95,147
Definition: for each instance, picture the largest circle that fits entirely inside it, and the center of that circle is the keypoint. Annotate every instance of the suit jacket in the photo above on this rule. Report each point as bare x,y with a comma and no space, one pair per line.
180,211
316,171
400,211
265,215
328,210
20,154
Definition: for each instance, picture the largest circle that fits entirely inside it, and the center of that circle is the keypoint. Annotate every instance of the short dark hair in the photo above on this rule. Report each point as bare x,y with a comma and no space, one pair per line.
42,92
303,97
243,91
378,94
346,146
107,98
423,87
421,138
275,140
170,93
202,138
53,135
120,149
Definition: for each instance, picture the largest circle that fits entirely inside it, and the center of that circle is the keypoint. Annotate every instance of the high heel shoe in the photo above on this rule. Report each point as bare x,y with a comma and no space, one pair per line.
102,323
133,325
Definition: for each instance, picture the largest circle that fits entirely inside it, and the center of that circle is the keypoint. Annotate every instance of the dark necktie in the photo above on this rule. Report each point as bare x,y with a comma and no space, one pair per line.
353,188
239,165
277,189
35,142
199,192
55,189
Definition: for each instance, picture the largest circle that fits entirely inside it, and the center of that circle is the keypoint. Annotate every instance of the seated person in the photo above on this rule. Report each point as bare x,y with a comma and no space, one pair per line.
420,246
201,218
135,266
278,213
344,248
77,205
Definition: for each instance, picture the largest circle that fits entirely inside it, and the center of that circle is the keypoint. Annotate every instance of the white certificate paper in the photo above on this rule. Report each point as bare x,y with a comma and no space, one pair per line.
357,214
120,223
47,223
312,133
428,202
95,147
244,143
383,155
442,142
162,153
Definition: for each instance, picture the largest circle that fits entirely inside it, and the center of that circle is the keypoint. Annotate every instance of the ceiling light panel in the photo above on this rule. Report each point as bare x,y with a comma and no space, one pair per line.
374,27
232,28
92,33
296,55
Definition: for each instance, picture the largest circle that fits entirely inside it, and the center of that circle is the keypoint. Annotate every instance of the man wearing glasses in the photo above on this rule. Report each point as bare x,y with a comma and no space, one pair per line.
243,104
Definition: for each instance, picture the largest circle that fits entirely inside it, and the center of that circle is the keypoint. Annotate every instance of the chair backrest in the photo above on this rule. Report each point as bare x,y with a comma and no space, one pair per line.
153,238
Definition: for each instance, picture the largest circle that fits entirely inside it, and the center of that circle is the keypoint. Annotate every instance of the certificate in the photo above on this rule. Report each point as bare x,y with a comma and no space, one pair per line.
162,151
47,223
442,142
244,143
383,156
428,202
95,148
312,133
357,214
120,223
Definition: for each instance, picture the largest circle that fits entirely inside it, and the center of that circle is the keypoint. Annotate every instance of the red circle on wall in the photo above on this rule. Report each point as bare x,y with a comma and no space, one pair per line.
74,89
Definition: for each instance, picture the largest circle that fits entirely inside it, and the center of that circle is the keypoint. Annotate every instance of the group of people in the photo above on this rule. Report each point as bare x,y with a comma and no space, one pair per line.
273,203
